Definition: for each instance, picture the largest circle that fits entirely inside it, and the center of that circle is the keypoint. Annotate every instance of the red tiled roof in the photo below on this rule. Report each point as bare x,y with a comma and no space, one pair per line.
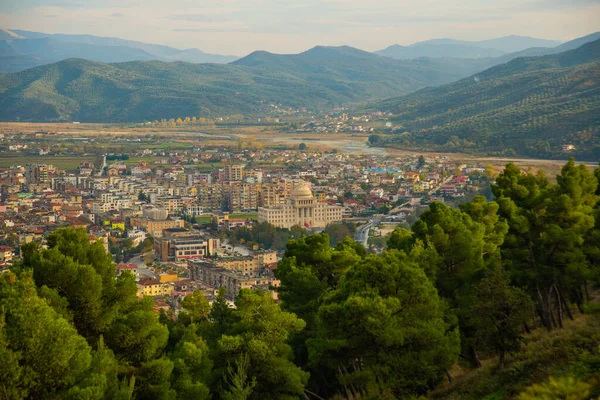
126,266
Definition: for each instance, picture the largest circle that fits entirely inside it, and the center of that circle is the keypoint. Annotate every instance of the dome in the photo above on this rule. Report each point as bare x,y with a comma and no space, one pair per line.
302,192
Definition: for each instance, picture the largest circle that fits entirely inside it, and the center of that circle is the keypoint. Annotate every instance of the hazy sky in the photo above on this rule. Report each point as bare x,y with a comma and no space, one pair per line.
240,26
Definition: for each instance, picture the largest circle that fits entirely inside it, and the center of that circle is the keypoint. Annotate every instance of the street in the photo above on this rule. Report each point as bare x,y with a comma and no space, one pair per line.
362,235
143,271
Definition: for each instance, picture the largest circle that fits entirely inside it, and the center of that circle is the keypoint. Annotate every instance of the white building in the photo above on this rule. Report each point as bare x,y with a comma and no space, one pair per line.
301,209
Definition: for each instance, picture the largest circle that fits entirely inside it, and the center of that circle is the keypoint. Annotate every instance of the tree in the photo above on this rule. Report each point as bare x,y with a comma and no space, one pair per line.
191,366
221,313
459,243
566,387
490,172
547,227
142,197
45,357
261,329
239,386
421,162
374,139
196,306
80,284
383,329
498,313
337,233
486,212
137,335
302,146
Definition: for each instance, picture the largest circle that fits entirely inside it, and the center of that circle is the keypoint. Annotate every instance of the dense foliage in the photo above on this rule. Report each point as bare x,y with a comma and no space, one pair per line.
529,106
264,235
463,283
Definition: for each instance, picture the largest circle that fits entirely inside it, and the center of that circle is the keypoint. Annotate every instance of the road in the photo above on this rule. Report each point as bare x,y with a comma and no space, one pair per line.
244,251
362,235
438,187
143,271
99,173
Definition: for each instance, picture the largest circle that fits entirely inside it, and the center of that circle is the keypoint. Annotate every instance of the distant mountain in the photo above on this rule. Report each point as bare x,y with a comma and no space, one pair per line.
40,48
437,50
465,49
82,90
361,70
6,34
542,51
12,61
52,50
529,106
506,44
512,43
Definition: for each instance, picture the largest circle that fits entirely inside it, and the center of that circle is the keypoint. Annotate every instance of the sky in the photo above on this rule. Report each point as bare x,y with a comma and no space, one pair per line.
238,27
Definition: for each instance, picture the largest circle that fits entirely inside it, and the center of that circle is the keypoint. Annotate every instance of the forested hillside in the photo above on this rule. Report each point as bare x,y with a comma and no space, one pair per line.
529,106
511,281
82,90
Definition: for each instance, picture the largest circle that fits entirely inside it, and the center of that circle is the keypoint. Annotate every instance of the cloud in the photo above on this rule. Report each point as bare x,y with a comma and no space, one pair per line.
68,4
209,30
197,17
241,26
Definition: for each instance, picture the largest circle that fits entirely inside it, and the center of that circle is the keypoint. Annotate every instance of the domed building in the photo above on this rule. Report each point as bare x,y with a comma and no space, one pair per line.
301,209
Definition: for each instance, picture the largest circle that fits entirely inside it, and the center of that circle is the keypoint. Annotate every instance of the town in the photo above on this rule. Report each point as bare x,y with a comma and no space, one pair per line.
176,217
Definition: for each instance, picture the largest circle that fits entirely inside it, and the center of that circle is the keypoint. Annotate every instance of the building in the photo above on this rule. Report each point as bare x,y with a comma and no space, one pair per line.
211,197
152,287
301,209
234,173
249,265
240,196
156,227
133,268
180,244
232,281
38,173
6,254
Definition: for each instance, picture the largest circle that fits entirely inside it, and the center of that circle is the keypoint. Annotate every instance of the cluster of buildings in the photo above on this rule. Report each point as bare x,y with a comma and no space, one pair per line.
181,207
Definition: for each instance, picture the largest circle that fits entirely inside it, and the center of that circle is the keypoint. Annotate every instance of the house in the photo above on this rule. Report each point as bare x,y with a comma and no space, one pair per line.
133,268
152,287
448,190
418,187
6,254
411,177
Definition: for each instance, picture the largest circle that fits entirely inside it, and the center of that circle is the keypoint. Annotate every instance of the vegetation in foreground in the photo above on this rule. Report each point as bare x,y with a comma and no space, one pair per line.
464,285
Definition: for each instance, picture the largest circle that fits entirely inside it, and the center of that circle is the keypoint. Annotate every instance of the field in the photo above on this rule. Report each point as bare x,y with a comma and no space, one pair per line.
180,138
67,163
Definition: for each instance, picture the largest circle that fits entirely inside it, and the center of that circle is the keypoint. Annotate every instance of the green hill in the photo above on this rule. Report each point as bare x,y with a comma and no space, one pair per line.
529,106
77,89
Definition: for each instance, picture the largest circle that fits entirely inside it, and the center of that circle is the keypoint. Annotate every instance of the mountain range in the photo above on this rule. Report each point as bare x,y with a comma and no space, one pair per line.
78,89
466,49
24,49
529,106
21,49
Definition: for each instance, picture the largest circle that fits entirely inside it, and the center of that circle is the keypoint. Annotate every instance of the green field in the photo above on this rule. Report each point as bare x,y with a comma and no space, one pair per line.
65,163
